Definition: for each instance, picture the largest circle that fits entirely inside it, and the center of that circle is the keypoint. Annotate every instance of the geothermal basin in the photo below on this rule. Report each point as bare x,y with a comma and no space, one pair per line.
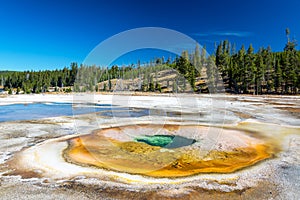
167,150
238,147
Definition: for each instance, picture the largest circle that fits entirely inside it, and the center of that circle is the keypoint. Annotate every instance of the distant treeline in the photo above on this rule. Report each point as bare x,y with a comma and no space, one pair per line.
241,72
38,81
264,72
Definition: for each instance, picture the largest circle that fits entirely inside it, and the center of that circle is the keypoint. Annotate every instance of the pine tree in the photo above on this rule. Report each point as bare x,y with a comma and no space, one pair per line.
211,75
290,65
250,71
185,55
196,59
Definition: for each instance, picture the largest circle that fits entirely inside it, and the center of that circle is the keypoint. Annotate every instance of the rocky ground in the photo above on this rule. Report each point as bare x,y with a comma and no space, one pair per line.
272,118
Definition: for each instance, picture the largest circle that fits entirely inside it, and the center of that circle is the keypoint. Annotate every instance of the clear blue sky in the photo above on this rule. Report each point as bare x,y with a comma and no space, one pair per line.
49,34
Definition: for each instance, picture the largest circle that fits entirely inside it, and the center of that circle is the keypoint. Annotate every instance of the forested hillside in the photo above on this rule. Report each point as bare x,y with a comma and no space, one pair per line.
243,71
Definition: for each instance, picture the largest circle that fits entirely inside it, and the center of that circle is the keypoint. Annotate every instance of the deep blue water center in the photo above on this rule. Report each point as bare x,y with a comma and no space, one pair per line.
166,141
